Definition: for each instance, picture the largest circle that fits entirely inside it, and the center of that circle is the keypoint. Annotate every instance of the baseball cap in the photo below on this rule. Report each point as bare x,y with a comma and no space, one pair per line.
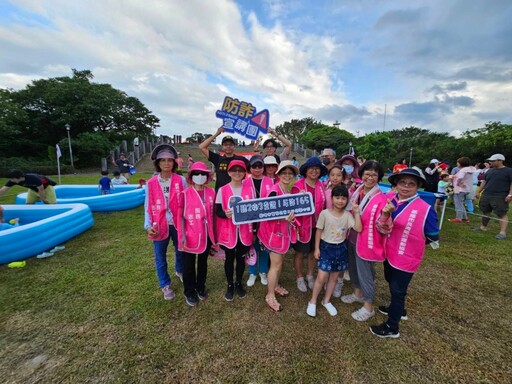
228,138
235,163
496,156
270,160
255,159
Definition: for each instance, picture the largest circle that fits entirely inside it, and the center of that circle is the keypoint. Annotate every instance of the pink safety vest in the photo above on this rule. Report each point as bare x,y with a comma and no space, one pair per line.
309,222
227,232
405,245
276,235
370,242
195,223
156,203
266,185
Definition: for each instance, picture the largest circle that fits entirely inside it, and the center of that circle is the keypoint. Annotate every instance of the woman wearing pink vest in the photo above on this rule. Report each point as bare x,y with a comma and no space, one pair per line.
235,240
367,247
160,210
195,231
409,223
261,186
277,235
311,172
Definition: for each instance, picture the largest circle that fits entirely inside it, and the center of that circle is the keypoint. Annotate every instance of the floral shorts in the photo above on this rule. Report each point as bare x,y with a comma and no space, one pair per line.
333,257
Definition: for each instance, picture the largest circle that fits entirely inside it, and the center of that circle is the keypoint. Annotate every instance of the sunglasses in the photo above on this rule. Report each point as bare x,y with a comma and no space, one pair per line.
257,166
200,174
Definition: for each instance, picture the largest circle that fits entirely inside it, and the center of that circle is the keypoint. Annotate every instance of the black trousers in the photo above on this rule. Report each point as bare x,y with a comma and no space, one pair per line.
193,281
237,253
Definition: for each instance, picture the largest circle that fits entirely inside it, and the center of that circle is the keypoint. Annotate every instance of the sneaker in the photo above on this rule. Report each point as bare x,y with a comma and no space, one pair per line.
384,310
240,290
230,293
311,281
500,236
180,276
311,311
383,331
202,295
251,281
301,285
191,300
455,220
362,314
330,308
44,255
349,299
263,277
346,276
338,288
168,292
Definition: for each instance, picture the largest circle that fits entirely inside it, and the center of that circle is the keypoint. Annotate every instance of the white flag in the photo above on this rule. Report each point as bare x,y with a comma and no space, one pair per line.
59,153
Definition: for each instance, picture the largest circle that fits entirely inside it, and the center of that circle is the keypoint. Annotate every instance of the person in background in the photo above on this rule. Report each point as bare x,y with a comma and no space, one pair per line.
432,173
496,190
142,183
124,166
311,171
119,179
277,235
332,229
40,188
409,224
179,161
328,158
361,160
441,188
351,166
234,239
221,162
190,161
270,146
270,167
11,224
261,186
463,189
195,231
160,212
105,184
399,166
295,162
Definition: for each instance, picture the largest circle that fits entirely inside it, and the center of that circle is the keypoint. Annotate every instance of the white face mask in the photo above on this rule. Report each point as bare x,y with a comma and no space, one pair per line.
199,179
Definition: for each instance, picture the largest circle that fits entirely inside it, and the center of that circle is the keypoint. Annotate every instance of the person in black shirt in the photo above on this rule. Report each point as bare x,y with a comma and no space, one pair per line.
40,188
124,166
221,162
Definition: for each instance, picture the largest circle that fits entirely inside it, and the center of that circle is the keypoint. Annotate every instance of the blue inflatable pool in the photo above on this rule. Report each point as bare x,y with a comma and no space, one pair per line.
41,228
123,197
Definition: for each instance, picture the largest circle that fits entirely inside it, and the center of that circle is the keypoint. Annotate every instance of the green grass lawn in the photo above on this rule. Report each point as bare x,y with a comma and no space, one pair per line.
93,313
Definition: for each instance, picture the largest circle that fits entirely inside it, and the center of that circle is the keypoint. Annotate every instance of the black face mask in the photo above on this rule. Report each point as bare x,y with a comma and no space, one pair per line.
326,161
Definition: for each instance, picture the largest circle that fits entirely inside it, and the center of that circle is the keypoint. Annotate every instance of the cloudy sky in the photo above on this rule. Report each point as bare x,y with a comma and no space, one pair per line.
443,65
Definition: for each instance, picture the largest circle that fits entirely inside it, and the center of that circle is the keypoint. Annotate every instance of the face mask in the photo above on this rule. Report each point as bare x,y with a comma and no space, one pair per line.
348,168
199,179
326,161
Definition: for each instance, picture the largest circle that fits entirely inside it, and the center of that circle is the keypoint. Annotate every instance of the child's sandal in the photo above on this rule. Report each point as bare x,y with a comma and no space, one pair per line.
273,304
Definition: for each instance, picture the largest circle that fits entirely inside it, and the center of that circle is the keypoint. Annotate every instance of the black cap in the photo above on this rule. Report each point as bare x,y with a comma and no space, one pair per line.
393,179
255,159
228,138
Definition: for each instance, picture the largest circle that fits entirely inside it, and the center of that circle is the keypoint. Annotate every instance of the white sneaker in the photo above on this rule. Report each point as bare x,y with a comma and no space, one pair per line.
44,255
58,248
330,308
251,281
301,285
346,276
362,314
311,311
338,287
263,277
311,281
349,299
168,293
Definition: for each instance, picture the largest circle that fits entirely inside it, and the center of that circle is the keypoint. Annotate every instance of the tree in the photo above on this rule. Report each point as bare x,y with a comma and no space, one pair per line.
294,129
325,136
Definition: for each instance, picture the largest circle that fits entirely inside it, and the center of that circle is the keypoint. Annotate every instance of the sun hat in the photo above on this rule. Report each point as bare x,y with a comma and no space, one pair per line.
287,164
239,163
270,160
255,159
199,166
496,156
434,161
393,179
228,138
313,162
164,151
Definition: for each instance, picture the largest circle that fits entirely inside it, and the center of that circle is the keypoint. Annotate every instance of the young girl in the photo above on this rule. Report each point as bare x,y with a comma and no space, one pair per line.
277,235
195,231
331,246
235,240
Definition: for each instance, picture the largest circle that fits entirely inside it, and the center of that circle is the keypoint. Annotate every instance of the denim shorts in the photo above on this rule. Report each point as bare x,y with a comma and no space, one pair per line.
333,257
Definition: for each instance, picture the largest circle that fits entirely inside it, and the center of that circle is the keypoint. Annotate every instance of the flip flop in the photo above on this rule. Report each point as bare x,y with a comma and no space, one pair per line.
273,304
281,291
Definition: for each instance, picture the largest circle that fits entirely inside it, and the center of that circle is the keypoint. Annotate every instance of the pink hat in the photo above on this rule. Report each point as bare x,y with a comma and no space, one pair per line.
235,163
199,166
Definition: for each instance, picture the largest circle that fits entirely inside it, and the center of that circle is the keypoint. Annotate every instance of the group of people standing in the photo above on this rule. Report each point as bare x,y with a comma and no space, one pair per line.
354,225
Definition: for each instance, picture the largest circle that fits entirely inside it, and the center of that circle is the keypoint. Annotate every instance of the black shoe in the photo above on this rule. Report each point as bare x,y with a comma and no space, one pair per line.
230,293
383,331
191,300
202,294
240,290
384,310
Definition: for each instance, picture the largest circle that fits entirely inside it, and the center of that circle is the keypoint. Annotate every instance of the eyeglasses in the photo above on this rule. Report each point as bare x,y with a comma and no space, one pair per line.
370,175
287,173
257,166
200,174
403,183
269,146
